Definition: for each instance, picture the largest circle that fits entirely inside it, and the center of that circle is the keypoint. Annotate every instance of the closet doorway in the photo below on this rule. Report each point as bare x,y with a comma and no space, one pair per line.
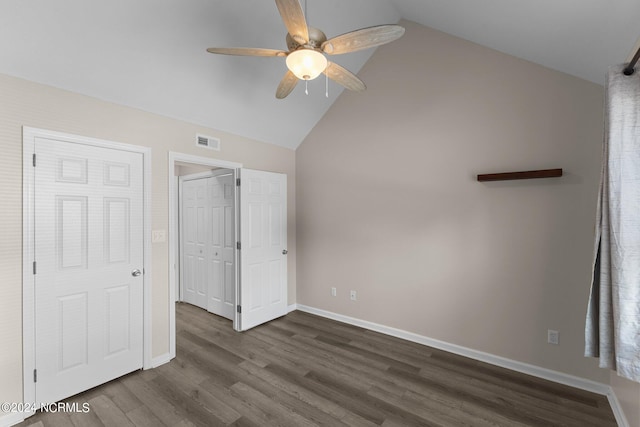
254,284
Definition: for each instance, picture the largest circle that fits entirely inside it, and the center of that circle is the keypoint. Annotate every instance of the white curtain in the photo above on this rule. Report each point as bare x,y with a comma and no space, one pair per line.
612,330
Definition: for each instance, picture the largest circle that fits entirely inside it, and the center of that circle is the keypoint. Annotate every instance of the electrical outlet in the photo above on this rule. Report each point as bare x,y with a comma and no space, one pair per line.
353,295
334,292
553,337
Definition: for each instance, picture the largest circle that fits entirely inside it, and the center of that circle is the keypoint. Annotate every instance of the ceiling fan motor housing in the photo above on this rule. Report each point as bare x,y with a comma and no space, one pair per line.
316,38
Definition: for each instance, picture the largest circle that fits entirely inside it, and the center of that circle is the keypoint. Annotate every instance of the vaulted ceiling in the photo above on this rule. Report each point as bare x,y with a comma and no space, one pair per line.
151,54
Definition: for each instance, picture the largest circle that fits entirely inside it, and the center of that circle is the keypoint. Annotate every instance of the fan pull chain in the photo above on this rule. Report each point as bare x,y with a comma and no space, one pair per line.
306,87
326,85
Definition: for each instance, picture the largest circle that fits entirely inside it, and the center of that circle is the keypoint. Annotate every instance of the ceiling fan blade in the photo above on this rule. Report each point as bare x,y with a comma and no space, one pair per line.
246,51
289,81
363,38
294,20
344,77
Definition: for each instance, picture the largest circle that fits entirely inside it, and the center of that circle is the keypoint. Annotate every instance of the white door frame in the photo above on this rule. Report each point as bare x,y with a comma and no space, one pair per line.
29,135
174,224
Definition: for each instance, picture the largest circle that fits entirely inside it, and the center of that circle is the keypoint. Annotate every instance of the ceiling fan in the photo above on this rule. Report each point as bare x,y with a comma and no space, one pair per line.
307,46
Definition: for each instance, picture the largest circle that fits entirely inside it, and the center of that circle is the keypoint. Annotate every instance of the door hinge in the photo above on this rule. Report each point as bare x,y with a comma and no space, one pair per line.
34,267
238,246
239,309
237,180
34,160
35,375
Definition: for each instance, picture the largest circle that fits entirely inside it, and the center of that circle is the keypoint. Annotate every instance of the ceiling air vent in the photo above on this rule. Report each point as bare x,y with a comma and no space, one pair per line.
208,142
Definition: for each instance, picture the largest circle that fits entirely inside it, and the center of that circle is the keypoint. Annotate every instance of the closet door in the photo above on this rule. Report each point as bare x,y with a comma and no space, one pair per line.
195,230
222,243
89,246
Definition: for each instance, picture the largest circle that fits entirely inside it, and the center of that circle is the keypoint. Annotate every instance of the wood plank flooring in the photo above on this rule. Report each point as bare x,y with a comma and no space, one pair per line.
304,370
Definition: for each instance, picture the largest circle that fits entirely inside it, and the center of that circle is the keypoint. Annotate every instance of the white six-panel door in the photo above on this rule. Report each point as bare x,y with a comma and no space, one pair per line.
89,250
263,232
208,242
195,232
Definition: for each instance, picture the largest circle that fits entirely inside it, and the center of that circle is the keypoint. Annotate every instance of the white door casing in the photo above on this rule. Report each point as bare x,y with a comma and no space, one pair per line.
263,259
85,227
256,316
174,159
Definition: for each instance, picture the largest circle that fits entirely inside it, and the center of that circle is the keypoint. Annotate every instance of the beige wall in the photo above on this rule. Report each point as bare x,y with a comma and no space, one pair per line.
388,204
23,103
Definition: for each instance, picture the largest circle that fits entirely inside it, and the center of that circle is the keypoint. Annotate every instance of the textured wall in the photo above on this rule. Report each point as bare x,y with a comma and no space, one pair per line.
23,103
388,204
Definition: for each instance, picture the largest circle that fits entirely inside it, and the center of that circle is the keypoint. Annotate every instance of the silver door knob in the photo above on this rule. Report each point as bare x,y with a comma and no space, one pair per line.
136,273
284,252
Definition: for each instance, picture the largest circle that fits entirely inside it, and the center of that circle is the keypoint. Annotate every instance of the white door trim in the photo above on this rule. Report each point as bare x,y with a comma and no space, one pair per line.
201,175
174,241
28,241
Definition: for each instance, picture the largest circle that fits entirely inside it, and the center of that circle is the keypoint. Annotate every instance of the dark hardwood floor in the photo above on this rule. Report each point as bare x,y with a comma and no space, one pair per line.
304,370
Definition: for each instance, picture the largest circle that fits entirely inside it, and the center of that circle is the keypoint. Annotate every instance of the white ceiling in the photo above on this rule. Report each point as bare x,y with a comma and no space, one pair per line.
151,54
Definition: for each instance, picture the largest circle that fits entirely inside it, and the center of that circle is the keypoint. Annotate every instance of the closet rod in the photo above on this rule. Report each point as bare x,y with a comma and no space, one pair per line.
630,68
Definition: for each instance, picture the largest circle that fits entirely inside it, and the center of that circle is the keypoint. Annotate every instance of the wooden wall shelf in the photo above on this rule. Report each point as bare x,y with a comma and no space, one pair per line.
505,176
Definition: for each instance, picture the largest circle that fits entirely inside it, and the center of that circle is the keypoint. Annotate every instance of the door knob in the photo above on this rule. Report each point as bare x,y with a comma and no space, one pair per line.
136,273
284,252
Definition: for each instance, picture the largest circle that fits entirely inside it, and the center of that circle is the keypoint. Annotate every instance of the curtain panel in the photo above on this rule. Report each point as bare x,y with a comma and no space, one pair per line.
612,331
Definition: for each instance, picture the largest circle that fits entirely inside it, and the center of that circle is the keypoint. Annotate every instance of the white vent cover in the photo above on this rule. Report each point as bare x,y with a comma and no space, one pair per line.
208,142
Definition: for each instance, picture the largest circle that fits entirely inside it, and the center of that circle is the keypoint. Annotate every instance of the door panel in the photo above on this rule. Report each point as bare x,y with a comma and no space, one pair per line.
263,232
222,248
117,301
71,231
73,348
275,282
88,240
116,230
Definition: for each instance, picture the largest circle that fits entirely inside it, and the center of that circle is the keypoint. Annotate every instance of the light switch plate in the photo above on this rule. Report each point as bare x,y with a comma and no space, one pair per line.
158,236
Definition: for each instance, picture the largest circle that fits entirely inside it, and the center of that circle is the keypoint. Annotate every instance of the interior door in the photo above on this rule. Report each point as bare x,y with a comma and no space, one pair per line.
89,260
222,242
263,253
195,229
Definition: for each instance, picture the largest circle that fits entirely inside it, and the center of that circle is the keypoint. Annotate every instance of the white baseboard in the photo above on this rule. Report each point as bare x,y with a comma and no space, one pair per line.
292,307
11,419
514,365
161,360
621,419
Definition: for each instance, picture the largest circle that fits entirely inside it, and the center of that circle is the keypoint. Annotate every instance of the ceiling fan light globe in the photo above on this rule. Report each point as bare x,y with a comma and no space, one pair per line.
306,64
